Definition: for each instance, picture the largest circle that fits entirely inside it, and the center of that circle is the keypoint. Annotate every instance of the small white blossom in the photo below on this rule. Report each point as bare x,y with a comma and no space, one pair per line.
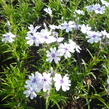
33,85
67,48
89,8
47,81
80,12
53,54
67,26
32,29
30,92
33,39
105,3
85,28
64,82
8,37
48,10
93,36
53,27
74,46
58,39
105,34
64,50
99,9
108,80
96,8
46,37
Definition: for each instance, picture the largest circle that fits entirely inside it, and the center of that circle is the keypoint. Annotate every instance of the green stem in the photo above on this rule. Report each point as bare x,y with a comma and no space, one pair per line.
47,103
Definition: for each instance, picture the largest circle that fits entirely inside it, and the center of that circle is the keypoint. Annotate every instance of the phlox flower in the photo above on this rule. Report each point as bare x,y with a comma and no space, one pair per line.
89,8
8,37
67,26
64,50
105,34
30,92
33,85
35,81
48,10
33,29
85,28
63,82
80,12
74,46
108,80
53,27
47,81
58,39
53,54
93,36
96,8
33,39
99,9
105,3
46,37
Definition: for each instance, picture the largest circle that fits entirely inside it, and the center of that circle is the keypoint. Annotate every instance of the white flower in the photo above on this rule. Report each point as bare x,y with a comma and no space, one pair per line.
53,27
64,82
64,50
58,39
30,93
8,37
33,29
80,12
93,36
105,3
85,28
73,46
33,85
105,34
67,48
53,55
47,81
33,39
89,8
48,10
46,37
96,8
99,9
67,26
35,82
108,80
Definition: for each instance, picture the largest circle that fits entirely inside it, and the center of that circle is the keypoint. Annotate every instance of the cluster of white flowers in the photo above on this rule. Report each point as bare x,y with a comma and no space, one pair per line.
97,8
64,49
8,37
47,36
43,82
50,36
93,36
44,36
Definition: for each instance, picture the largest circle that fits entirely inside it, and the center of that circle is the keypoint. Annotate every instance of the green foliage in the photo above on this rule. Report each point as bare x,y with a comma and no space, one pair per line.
88,70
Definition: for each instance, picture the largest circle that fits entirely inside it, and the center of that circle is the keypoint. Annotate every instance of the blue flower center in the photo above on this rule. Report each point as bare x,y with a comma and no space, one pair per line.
94,36
53,55
34,38
99,9
61,81
45,79
46,37
34,80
